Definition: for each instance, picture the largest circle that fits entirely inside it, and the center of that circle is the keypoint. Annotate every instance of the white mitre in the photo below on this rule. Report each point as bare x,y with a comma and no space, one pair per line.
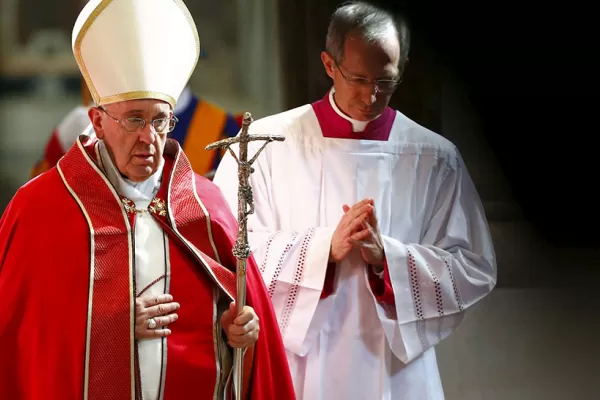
135,49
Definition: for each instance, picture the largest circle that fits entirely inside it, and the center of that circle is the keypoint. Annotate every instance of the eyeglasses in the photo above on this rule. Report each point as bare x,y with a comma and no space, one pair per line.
135,124
385,86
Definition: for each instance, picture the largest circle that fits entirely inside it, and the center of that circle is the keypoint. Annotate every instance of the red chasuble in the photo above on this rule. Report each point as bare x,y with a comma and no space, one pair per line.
67,288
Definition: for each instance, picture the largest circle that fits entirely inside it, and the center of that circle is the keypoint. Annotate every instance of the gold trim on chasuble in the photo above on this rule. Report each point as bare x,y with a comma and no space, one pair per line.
130,95
223,355
110,325
102,336
187,170
163,374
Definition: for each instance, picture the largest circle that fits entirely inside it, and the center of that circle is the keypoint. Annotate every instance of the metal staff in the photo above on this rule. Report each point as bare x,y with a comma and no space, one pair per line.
241,250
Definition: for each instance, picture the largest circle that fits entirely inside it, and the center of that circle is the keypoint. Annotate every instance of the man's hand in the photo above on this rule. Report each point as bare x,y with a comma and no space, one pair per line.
350,229
371,245
241,330
152,314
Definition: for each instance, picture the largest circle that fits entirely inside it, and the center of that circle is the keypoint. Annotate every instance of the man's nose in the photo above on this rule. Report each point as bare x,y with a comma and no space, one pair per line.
369,94
147,134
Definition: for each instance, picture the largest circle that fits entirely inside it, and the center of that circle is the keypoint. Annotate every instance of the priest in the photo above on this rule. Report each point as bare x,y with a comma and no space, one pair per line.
368,231
116,269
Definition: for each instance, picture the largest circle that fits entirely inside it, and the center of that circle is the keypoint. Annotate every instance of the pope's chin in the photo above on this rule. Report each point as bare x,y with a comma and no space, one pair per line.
140,168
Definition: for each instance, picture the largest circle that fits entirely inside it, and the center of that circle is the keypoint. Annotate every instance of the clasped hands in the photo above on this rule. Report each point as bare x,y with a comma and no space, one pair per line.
358,228
155,313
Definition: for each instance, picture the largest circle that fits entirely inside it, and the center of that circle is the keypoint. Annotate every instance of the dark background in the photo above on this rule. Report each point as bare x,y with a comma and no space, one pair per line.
529,71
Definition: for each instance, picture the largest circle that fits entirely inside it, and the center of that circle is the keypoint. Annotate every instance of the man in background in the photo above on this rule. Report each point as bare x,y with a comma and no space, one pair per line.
368,230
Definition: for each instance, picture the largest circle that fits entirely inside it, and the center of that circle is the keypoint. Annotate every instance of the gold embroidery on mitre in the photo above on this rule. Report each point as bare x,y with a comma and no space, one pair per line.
140,94
132,95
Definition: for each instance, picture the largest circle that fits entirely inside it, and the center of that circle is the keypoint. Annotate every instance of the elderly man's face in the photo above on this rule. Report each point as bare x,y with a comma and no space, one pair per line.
135,154
354,76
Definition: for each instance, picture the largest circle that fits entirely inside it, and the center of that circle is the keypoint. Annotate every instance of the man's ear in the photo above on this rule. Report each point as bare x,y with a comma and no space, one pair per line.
96,117
328,63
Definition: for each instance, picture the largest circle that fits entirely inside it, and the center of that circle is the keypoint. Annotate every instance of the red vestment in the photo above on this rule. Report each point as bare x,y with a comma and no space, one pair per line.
67,288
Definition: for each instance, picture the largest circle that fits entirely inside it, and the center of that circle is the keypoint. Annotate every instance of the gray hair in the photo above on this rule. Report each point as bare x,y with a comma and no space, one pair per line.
367,22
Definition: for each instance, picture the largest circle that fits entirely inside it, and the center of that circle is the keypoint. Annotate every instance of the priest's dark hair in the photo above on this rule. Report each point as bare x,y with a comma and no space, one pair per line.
366,21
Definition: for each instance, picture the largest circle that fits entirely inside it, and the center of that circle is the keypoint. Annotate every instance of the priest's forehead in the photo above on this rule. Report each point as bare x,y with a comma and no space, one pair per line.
381,57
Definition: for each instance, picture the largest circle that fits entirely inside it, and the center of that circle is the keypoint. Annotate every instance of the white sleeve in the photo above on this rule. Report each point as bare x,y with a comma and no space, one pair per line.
435,282
292,264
